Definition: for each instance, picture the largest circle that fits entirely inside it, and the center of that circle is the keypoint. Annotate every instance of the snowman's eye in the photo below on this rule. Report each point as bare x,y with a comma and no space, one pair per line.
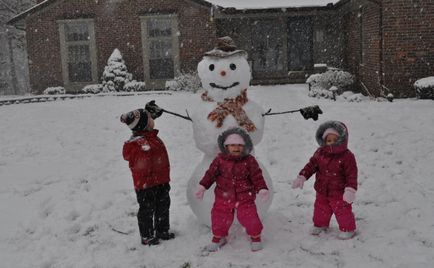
232,66
211,67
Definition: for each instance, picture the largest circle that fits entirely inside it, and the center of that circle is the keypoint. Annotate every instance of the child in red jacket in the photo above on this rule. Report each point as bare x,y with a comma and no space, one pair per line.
238,178
149,164
336,179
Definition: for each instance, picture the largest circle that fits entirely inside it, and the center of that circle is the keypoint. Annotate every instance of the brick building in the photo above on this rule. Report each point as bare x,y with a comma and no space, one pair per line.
387,44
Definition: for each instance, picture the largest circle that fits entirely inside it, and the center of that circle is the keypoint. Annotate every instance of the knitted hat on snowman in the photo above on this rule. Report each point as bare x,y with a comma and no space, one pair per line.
225,47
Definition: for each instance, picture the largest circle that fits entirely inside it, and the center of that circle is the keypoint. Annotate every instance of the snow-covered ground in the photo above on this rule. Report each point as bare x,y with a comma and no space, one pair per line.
67,200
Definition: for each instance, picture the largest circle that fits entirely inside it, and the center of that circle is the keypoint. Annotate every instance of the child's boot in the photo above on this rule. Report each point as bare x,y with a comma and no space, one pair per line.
317,230
346,235
165,235
150,241
255,243
216,244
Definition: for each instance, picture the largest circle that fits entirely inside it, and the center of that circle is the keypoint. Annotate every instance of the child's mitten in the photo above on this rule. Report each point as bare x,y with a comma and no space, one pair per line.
298,182
200,191
263,195
153,109
349,195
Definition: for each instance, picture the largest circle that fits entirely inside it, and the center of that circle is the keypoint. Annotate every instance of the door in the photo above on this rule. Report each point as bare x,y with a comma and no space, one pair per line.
300,44
267,49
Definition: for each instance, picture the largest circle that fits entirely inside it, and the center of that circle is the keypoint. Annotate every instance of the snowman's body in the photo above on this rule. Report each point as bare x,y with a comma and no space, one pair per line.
222,78
205,132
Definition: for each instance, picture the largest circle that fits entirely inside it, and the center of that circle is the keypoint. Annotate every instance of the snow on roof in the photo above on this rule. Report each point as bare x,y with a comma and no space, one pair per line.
263,4
237,4
21,15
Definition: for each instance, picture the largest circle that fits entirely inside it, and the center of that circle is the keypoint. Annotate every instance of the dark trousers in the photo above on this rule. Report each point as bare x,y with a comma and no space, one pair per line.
153,214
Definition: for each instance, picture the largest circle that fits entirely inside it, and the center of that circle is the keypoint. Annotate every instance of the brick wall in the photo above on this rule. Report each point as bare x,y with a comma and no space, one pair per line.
407,49
361,22
408,43
117,25
369,70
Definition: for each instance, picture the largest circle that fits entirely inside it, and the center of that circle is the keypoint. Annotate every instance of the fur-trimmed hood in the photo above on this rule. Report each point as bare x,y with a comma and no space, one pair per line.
340,127
248,147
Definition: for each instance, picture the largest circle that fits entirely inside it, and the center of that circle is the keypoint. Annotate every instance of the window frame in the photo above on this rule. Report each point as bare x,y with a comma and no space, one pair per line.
64,45
146,40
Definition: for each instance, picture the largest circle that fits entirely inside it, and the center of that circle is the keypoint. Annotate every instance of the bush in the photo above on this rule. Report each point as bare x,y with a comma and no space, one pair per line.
425,88
329,84
92,89
135,86
185,82
54,91
115,74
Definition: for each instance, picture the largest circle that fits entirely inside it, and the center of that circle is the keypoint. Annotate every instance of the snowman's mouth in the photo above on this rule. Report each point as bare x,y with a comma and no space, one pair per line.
214,85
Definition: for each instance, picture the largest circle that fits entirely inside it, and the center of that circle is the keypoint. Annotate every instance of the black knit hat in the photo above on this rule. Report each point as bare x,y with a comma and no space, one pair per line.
136,120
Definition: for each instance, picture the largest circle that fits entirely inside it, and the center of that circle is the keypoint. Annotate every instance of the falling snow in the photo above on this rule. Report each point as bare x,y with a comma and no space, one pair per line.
67,197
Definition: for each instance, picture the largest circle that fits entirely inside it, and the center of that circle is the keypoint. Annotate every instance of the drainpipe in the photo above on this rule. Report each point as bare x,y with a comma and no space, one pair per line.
211,13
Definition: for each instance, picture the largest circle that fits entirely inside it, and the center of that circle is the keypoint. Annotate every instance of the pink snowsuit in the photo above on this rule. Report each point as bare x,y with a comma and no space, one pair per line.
335,167
238,179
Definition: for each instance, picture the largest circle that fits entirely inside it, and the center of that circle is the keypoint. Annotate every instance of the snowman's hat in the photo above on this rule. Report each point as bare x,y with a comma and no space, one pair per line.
225,47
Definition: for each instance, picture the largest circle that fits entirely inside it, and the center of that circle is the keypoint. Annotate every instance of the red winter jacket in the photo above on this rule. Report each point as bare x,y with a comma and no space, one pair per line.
237,178
148,159
335,166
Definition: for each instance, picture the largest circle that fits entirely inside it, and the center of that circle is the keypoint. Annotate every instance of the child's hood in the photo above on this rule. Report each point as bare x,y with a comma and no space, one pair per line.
248,147
339,127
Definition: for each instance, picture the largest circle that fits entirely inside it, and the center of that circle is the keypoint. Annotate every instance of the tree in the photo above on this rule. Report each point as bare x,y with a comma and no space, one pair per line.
115,74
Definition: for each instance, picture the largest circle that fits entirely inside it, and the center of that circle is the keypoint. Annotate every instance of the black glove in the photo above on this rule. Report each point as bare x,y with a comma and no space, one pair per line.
311,112
153,109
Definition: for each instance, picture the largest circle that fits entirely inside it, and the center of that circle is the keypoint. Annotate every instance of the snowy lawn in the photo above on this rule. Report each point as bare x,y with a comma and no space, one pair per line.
67,199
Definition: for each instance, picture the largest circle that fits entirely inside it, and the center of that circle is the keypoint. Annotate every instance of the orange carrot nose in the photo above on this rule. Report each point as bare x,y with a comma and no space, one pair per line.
222,73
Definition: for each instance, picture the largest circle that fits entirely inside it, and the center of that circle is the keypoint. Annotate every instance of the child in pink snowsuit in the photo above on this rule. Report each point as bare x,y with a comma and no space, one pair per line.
336,179
238,178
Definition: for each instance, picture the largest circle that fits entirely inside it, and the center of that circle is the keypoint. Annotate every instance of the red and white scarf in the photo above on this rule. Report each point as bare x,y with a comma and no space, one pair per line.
232,107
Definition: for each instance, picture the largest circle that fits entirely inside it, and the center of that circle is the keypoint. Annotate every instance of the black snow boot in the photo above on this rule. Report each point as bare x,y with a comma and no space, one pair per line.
165,235
150,241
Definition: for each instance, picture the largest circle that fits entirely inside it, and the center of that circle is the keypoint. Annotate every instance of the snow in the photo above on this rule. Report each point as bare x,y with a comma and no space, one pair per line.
67,194
210,71
427,82
260,4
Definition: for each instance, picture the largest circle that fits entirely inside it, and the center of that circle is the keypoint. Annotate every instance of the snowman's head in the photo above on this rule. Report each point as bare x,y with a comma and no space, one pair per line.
224,73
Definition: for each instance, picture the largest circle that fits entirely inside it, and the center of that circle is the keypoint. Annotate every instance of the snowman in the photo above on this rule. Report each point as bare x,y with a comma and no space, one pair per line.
225,76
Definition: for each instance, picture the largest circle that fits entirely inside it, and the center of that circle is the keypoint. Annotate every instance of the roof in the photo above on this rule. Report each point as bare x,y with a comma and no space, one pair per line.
30,11
266,4
236,4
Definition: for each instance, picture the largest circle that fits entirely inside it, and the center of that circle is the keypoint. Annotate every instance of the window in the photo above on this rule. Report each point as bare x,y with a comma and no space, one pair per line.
78,50
160,49
319,35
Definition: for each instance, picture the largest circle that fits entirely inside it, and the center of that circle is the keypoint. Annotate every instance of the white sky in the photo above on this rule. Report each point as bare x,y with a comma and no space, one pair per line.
260,4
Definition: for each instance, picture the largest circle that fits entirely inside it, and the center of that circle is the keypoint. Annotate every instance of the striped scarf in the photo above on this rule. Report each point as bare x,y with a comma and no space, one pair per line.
232,107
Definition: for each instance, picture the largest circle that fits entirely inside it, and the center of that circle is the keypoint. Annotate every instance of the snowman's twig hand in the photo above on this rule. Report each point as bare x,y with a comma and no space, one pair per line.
307,112
179,115
285,112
